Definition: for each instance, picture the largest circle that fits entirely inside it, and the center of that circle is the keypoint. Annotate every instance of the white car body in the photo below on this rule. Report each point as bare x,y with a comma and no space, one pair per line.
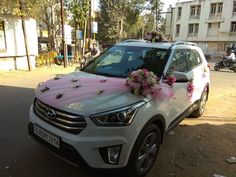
166,114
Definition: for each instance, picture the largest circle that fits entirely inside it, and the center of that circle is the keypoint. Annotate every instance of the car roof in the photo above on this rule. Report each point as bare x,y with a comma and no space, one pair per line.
159,45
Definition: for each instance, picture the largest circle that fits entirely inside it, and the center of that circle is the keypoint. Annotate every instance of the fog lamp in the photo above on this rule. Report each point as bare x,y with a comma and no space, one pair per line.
111,154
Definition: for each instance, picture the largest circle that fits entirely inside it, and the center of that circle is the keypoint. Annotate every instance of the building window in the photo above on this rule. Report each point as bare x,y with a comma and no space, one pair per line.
213,9
234,7
193,29
216,9
198,10
2,36
195,11
179,12
177,30
196,27
220,8
233,26
190,28
209,25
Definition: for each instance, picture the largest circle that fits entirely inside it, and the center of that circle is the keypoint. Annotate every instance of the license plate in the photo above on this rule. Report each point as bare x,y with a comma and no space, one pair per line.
45,135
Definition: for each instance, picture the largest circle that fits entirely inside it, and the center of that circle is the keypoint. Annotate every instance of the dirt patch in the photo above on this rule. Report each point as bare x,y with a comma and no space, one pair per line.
198,149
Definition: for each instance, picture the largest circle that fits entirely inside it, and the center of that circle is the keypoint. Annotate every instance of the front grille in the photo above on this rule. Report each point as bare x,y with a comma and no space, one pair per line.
68,122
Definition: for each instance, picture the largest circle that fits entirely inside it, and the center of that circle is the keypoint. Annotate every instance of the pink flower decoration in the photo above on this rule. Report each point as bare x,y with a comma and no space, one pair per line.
170,80
190,89
141,82
103,80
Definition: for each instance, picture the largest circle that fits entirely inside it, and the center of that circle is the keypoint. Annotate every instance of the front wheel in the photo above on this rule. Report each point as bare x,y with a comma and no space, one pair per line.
145,151
217,67
201,105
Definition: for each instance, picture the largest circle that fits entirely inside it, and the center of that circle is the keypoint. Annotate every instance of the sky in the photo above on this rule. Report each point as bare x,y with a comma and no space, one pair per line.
167,3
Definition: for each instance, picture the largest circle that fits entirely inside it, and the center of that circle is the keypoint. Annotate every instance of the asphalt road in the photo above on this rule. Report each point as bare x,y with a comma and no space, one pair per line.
20,156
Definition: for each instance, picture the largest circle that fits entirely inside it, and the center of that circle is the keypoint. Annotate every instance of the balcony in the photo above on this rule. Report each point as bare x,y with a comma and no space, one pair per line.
194,17
215,18
192,34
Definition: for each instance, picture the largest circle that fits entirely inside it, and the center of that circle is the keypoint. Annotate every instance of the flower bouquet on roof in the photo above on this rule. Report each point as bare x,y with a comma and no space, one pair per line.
155,36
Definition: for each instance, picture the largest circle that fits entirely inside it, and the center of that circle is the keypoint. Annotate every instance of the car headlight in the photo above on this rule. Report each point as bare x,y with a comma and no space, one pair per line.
119,117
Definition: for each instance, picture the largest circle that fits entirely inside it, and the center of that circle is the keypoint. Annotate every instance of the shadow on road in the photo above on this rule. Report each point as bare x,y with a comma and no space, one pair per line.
192,151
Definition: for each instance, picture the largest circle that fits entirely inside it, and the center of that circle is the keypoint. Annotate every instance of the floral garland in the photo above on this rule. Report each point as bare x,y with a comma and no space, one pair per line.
190,89
170,80
155,36
142,82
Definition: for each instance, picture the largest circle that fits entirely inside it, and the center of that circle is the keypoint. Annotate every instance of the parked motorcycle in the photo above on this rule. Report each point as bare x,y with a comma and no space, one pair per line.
223,65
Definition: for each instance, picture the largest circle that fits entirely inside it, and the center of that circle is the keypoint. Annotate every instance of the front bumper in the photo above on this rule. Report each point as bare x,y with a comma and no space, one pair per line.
85,148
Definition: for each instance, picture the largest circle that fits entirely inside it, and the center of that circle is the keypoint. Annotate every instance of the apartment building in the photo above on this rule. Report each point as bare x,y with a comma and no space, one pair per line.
209,23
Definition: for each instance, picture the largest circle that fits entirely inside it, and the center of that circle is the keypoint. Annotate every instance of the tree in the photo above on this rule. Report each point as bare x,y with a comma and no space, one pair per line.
48,13
80,15
117,17
156,6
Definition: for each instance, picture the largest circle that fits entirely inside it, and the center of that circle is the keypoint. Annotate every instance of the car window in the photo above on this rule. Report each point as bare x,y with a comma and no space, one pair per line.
193,59
178,62
119,61
112,56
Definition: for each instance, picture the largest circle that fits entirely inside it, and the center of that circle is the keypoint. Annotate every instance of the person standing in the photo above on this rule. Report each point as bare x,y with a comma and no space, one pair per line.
95,51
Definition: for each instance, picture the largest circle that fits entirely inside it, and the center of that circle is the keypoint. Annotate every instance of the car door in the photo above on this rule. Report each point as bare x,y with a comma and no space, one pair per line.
180,102
197,71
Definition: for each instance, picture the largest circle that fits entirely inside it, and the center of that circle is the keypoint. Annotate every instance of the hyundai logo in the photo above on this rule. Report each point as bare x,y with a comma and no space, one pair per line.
49,113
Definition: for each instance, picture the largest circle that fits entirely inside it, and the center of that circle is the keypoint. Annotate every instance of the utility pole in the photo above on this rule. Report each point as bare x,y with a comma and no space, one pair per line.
25,38
90,22
157,15
63,35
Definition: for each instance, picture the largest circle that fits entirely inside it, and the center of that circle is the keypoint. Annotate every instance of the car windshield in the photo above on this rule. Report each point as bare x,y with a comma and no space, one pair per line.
120,61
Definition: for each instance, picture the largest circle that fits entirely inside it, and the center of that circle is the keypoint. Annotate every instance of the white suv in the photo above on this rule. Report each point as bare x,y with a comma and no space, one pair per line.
89,117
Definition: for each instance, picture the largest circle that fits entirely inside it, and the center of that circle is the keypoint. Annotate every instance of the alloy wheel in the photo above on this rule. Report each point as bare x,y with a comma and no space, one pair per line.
147,152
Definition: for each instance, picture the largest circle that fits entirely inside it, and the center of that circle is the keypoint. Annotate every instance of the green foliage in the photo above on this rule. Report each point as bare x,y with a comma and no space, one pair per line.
18,8
155,5
79,10
118,17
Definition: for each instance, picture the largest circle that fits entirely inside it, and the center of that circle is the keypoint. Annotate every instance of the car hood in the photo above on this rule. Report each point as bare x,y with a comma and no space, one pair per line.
85,94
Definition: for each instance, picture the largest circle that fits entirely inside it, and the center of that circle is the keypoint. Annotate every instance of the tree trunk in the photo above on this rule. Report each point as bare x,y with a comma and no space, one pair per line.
121,28
48,29
26,43
53,30
76,43
84,42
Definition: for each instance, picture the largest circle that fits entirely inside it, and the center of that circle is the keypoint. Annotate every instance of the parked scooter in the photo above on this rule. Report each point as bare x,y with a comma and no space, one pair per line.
223,65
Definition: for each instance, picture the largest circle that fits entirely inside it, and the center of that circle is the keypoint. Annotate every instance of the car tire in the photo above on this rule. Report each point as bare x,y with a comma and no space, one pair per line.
217,67
201,105
145,151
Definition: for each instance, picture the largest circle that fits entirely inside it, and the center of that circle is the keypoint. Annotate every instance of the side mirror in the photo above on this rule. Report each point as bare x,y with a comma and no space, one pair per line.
181,77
